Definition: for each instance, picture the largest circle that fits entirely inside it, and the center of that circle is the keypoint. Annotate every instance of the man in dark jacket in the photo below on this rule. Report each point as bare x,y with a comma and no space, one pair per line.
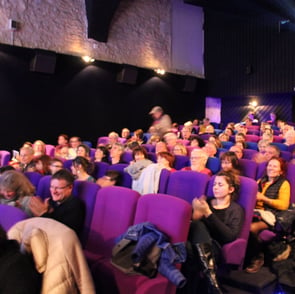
62,206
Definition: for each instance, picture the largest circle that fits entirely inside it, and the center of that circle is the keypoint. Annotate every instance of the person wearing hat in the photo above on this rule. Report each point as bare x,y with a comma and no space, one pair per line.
162,122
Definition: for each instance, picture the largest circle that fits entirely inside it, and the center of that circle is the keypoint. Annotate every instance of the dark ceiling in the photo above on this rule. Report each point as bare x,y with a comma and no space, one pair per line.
249,8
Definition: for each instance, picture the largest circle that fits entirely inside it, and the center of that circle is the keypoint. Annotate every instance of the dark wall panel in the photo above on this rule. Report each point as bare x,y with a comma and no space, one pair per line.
83,100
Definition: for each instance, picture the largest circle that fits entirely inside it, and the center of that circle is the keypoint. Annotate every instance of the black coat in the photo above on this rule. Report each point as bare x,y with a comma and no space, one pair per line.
17,271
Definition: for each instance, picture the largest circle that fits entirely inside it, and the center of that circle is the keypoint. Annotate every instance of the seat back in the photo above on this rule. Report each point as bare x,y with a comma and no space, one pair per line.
176,220
248,168
87,192
213,163
187,184
291,178
260,170
34,178
126,180
181,161
127,156
100,169
68,163
227,144
249,153
103,140
252,145
5,157
252,138
234,252
281,146
163,182
286,155
43,189
50,150
10,215
113,213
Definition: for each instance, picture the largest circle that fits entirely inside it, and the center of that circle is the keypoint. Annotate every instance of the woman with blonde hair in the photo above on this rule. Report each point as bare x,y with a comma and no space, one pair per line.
16,190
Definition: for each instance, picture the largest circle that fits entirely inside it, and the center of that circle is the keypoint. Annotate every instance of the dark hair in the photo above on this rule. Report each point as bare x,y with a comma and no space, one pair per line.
3,236
86,148
46,160
233,180
64,174
105,152
201,142
139,150
65,136
85,163
114,176
232,157
5,168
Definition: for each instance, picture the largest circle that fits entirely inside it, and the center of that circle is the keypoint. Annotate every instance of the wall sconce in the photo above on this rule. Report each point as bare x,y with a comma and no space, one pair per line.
160,71
88,59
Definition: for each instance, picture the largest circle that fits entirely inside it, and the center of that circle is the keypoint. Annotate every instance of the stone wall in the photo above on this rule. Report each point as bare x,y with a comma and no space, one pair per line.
140,33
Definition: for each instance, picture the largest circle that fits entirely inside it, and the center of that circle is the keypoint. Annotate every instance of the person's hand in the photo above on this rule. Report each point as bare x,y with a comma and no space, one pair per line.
201,206
260,196
37,206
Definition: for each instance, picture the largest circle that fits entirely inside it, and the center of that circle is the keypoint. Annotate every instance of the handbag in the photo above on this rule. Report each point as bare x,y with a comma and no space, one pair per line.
265,215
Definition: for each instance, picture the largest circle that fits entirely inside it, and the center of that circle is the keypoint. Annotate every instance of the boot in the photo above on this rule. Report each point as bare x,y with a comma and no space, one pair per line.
208,265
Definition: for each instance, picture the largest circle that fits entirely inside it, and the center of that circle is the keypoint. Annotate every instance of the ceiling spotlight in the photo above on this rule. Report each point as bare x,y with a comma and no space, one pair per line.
88,59
253,103
160,71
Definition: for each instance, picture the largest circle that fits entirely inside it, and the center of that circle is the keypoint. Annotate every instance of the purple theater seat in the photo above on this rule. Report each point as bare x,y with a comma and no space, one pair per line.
281,146
252,138
252,145
127,156
249,153
87,192
68,164
43,189
149,147
181,161
113,213
234,252
100,169
163,182
227,144
5,157
152,156
126,180
291,148
10,215
170,215
286,155
213,163
248,168
103,140
187,184
278,139
260,170
50,150
34,178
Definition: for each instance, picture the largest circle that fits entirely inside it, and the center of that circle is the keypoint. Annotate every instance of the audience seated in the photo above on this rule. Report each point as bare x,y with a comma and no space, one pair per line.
198,160
16,190
237,150
74,143
39,148
82,169
62,205
42,164
179,149
101,154
56,164
116,153
111,178
210,148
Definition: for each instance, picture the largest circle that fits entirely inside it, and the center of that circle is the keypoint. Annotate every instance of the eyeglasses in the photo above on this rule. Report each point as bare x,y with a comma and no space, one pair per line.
57,166
58,188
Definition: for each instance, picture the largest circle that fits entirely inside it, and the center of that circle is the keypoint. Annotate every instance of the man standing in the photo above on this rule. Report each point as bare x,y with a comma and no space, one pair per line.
162,122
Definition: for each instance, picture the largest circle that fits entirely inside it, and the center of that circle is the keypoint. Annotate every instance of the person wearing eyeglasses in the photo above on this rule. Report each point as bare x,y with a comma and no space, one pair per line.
62,205
56,164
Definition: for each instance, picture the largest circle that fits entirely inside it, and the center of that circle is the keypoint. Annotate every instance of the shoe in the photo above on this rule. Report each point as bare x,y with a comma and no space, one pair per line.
256,264
284,255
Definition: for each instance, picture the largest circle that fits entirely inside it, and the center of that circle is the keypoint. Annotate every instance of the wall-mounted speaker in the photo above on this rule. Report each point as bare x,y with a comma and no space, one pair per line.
190,84
43,62
128,75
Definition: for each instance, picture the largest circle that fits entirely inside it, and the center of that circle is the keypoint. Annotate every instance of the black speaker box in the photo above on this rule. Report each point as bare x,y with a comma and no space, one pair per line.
43,63
190,84
128,75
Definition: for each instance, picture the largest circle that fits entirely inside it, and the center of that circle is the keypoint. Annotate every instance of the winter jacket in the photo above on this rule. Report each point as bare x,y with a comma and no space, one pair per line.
57,253
147,235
